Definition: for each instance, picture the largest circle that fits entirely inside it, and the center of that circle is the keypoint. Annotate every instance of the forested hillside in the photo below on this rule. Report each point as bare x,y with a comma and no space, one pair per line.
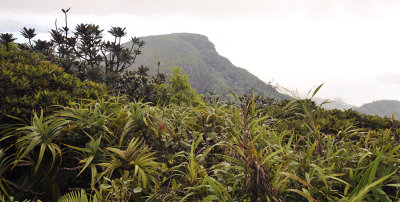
208,71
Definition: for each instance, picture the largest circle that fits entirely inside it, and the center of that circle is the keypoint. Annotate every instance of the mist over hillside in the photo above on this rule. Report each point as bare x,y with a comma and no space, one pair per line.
333,104
381,108
208,71
211,72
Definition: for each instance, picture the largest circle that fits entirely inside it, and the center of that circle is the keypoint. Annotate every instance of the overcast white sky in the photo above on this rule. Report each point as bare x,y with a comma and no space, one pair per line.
353,46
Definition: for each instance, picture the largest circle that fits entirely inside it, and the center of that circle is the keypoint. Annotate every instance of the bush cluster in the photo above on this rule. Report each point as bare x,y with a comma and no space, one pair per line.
28,83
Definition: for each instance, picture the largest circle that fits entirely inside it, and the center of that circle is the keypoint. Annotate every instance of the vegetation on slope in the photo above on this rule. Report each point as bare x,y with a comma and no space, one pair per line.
181,146
208,71
28,83
381,108
115,149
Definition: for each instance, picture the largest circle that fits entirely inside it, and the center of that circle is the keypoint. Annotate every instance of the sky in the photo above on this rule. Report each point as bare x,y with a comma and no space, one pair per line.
352,46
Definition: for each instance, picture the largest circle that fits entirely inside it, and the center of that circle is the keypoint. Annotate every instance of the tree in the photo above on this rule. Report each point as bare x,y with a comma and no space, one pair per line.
28,34
6,39
88,56
179,90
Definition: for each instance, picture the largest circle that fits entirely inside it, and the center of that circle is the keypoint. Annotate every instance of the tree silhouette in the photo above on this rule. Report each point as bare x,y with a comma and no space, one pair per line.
6,39
28,34
85,53
44,47
117,32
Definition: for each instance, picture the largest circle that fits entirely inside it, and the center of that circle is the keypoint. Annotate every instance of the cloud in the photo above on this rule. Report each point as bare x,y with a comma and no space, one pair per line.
391,78
17,25
210,8
10,25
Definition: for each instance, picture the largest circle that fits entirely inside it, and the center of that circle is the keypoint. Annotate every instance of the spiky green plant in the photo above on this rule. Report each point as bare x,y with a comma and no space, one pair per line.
90,156
136,158
42,134
75,196
5,164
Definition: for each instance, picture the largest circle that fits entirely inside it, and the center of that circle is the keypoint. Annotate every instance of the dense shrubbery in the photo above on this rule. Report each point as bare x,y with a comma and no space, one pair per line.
30,83
113,149
178,90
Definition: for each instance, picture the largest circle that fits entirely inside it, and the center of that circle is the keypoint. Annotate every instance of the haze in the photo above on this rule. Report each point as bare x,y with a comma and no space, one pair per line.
351,46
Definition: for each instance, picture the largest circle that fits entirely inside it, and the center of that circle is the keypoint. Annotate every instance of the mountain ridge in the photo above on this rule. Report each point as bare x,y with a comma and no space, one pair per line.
207,69
381,108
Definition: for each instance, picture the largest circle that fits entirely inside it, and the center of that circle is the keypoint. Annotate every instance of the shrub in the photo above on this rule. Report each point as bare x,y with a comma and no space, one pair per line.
178,90
28,82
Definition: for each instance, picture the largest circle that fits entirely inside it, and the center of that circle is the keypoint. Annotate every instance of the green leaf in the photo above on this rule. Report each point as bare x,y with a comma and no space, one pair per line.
210,198
316,90
310,151
306,195
137,190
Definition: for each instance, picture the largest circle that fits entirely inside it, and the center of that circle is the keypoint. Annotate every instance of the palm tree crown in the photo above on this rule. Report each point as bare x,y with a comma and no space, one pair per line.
6,39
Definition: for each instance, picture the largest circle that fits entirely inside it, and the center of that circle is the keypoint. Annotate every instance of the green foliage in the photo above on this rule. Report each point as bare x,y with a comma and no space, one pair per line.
121,189
75,197
137,159
178,91
184,149
30,83
41,133
6,39
84,53
121,150
5,164
366,184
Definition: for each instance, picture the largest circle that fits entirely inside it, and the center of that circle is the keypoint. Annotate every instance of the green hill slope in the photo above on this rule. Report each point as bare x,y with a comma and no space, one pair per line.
380,108
208,70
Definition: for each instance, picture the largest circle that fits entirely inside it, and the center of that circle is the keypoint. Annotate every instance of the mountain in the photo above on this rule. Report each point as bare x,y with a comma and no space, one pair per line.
333,104
207,70
380,108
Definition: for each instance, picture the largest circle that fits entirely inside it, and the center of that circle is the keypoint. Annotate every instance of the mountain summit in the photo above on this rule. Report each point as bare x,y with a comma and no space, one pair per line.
208,71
